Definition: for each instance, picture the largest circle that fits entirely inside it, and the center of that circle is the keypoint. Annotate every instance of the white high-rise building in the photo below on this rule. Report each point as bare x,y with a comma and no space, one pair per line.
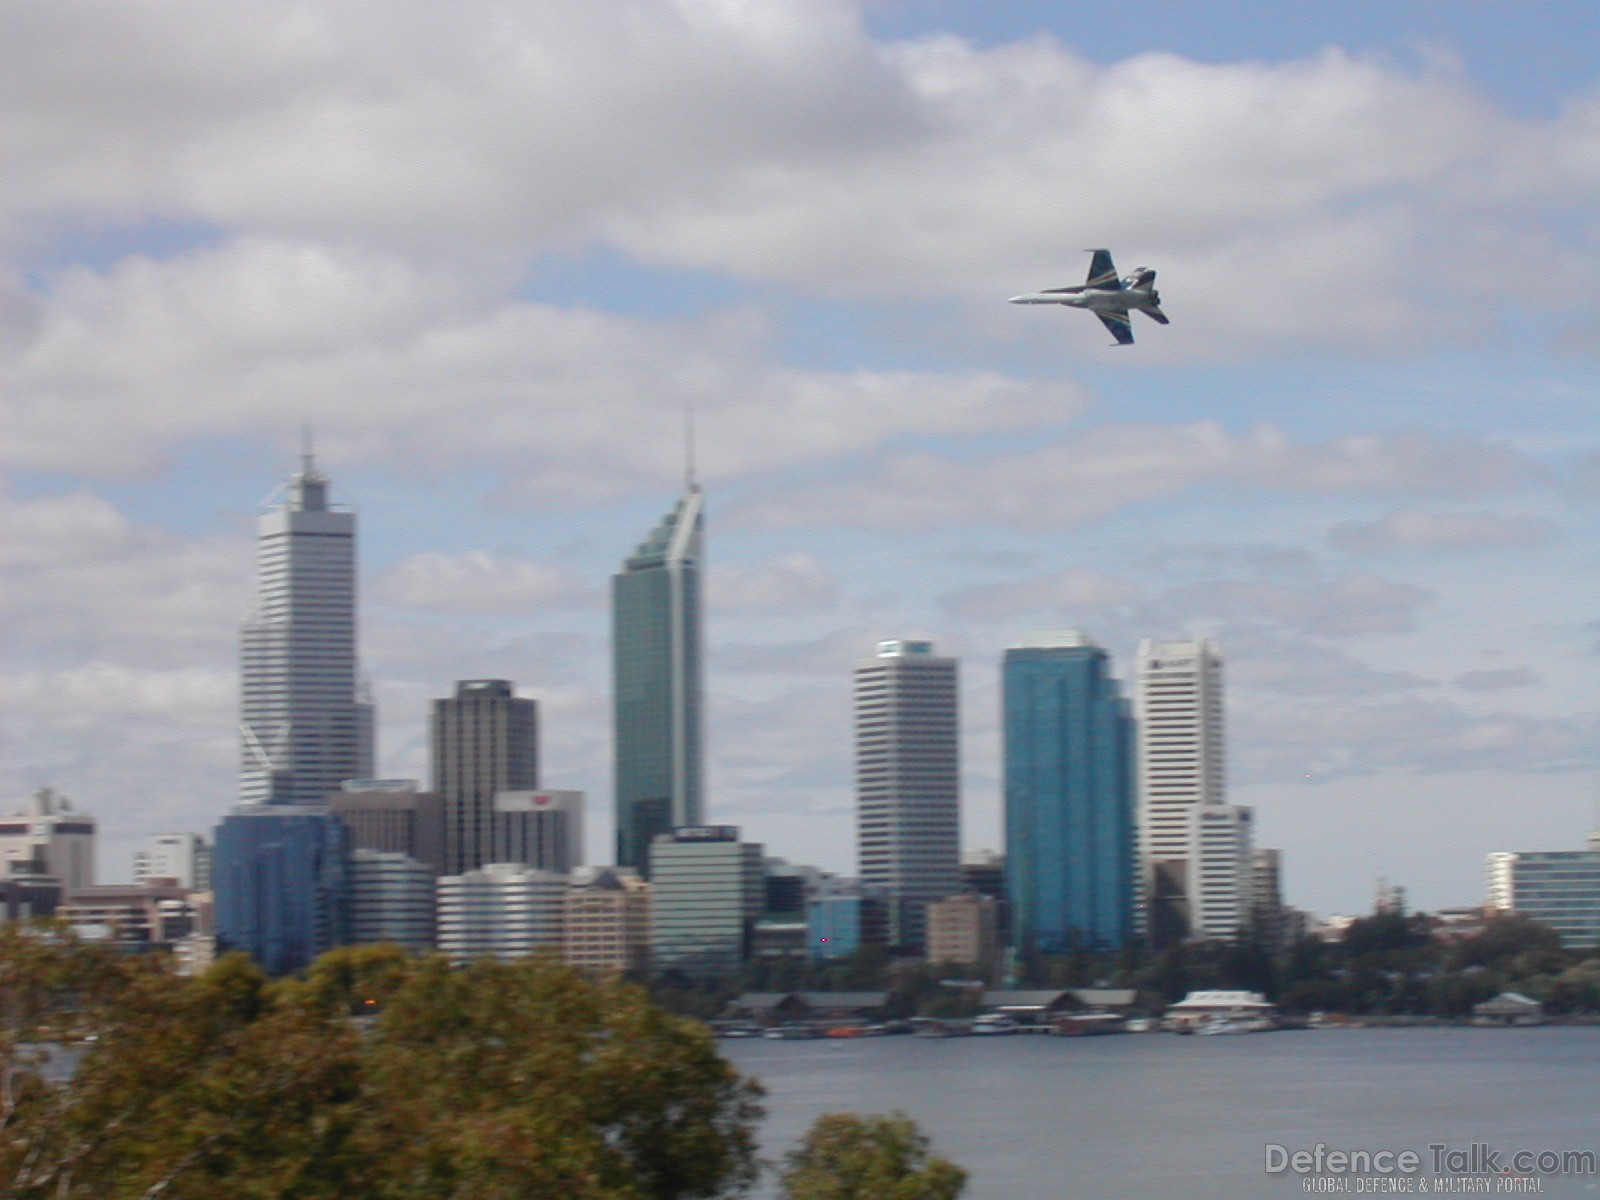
507,910
184,857
908,782
1179,709
304,729
1223,836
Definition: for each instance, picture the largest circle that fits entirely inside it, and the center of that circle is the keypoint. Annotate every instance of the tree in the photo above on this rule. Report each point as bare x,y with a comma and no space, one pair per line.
848,1157
494,1081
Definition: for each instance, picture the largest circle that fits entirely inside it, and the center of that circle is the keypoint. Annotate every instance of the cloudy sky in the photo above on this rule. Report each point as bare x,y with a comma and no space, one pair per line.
491,250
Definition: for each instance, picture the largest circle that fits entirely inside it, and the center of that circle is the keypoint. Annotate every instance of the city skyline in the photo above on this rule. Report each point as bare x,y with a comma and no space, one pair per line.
1378,491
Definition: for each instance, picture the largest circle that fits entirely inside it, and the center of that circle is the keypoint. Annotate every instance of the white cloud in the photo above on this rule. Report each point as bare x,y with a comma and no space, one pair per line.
477,582
795,580
1065,595
1415,529
392,362
1497,679
1111,467
83,580
777,142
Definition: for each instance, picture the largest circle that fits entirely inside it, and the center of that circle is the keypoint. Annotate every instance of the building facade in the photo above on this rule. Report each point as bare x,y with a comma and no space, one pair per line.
1069,797
964,929
1558,888
282,895
542,829
48,838
656,682
393,816
606,921
391,900
1180,767
502,910
908,782
707,892
304,729
1224,894
182,857
485,741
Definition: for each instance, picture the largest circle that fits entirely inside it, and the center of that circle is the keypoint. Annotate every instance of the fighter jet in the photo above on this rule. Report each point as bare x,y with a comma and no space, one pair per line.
1107,297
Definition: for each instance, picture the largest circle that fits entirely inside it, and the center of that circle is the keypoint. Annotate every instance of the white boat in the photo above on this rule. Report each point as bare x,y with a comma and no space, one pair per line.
993,1024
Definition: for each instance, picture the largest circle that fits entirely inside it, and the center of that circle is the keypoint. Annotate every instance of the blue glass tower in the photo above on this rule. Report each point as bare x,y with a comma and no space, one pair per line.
279,875
1069,812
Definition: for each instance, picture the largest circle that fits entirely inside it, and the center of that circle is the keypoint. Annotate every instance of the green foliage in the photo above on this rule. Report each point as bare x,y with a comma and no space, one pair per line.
847,1157
500,1080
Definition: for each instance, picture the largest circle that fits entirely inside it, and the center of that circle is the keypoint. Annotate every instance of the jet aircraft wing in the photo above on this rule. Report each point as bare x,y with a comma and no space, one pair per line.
1101,272
1121,328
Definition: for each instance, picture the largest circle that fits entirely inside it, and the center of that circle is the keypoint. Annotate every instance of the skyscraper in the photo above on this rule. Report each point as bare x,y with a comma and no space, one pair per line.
303,728
1179,709
908,807
1068,763
485,740
282,892
655,648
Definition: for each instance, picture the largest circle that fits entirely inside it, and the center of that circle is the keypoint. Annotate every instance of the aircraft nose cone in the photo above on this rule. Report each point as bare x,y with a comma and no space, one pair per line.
1017,300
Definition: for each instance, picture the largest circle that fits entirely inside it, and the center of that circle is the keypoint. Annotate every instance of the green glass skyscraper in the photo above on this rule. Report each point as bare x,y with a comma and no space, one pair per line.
655,654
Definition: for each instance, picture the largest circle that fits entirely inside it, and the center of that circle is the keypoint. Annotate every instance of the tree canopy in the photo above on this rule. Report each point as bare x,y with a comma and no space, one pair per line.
848,1157
375,1074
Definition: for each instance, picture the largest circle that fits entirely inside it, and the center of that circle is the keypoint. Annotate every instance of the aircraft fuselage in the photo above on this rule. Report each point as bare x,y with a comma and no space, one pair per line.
1095,299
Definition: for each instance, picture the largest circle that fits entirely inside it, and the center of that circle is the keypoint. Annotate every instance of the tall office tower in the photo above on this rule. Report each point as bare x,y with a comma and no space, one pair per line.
183,857
485,740
1179,709
393,816
706,894
391,900
656,682
1068,766
908,784
47,838
278,871
1224,892
507,910
303,728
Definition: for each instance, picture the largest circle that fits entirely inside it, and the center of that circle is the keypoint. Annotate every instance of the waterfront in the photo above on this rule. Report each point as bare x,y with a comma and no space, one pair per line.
1152,1117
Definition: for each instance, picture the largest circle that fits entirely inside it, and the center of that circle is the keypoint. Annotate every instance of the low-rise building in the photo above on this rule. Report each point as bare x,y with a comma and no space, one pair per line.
964,928
707,891
1508,1008
392,899
606,921
504,910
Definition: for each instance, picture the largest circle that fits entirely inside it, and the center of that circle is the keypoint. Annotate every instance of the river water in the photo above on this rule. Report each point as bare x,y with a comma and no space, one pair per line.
1160,1117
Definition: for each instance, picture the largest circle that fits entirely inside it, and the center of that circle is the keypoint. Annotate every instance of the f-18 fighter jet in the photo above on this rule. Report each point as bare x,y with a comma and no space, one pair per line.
1107,297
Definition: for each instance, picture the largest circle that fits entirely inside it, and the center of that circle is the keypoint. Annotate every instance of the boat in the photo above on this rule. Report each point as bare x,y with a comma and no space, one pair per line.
790,1033
993,1025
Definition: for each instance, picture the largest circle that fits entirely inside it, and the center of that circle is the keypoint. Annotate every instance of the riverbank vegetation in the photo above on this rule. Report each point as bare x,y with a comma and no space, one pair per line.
1387,964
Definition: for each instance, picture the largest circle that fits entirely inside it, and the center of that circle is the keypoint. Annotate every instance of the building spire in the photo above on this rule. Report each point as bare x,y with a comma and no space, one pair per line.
308,454
690,483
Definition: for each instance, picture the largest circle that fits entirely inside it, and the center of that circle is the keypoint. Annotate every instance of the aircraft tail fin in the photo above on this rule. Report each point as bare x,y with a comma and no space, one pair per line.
1155,314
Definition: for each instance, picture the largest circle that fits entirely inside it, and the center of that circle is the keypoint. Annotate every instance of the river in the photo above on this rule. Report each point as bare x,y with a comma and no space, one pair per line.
1155,1116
